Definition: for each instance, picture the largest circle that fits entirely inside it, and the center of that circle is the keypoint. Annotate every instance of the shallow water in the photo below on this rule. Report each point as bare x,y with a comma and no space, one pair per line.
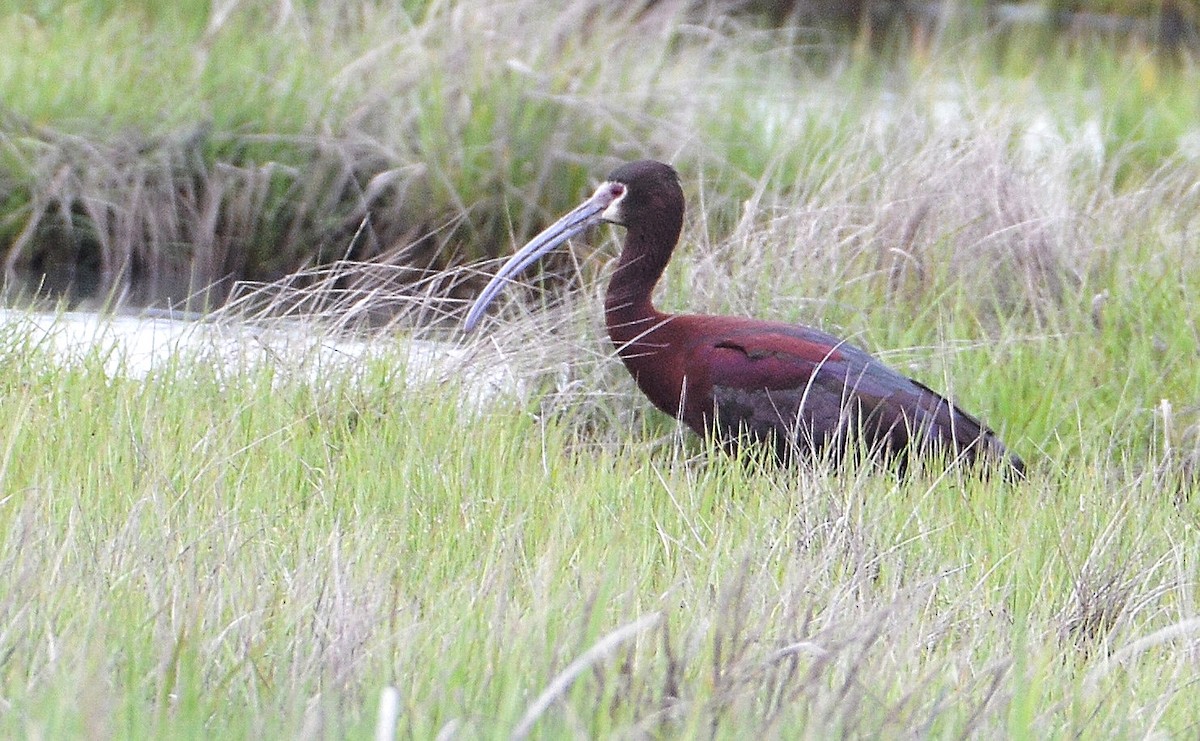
140,345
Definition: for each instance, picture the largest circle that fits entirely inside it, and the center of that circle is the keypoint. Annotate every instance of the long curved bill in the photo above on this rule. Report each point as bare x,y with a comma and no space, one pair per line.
586,214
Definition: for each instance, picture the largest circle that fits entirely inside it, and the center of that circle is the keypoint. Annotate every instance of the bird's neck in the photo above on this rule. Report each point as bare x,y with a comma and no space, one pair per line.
629,311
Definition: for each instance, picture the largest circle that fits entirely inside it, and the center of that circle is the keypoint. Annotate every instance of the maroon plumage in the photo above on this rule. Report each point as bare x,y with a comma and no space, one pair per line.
793,388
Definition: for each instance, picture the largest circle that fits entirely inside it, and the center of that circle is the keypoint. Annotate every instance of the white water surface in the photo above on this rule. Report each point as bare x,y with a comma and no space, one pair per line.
138,346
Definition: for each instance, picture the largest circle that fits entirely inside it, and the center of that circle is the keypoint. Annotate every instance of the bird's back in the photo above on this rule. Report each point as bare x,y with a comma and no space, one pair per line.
806,392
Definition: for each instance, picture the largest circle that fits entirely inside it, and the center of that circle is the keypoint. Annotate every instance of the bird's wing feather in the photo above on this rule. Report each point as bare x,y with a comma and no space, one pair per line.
770,379
789,359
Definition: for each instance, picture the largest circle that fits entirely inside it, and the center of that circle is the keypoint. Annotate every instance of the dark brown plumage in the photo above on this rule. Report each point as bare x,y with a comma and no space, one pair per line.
795,389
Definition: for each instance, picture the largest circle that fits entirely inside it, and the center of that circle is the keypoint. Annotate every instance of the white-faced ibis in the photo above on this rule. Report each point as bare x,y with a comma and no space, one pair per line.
793,388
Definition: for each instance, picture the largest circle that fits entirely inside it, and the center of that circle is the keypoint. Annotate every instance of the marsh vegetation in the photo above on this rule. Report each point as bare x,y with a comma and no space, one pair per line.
221,552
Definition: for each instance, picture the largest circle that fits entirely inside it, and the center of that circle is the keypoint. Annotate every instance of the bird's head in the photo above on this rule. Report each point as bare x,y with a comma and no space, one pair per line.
633,194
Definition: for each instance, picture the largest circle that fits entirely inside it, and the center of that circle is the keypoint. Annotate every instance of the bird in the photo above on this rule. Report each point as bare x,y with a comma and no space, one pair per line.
792,390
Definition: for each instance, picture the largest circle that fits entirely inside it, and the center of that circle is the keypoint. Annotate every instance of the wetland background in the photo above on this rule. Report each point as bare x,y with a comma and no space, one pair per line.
1001,199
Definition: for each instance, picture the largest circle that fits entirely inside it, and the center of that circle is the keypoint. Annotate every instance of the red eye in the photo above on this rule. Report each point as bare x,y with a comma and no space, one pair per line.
618,190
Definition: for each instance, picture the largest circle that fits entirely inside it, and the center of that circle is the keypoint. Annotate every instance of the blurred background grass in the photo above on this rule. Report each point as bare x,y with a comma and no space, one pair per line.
159,151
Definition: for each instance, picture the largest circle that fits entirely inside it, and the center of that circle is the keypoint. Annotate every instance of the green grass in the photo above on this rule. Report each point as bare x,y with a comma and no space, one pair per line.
203,554
211,553
227,554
